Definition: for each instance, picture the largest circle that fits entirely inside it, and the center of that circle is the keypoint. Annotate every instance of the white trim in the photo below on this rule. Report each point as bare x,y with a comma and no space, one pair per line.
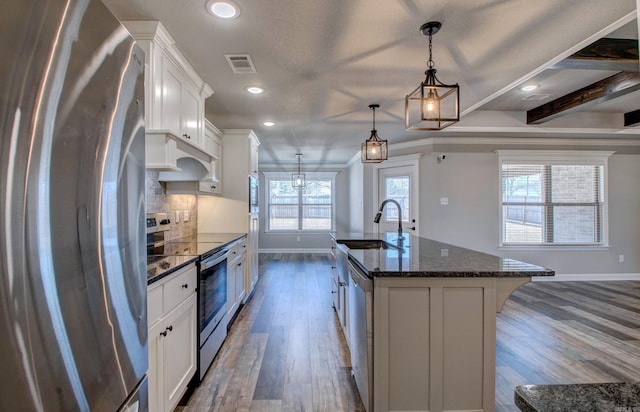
355,158
514,141
510,140
289,167
396,161
311,175
587,277
292,250
554,156
554,248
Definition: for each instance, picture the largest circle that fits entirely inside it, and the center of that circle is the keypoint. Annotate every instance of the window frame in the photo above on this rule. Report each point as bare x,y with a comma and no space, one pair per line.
310,176
554,158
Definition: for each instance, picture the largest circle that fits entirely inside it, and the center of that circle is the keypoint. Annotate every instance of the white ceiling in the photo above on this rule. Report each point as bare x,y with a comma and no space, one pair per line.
323,62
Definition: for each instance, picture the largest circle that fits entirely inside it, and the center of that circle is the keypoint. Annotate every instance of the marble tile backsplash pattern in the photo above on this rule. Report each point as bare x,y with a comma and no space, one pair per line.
158,201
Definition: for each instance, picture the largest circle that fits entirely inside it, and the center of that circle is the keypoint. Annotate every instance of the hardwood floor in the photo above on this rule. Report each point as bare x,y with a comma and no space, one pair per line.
569,332
286,352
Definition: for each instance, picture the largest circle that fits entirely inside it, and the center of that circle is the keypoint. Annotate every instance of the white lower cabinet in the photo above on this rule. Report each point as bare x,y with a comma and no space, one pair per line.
235,276
435,342
172,311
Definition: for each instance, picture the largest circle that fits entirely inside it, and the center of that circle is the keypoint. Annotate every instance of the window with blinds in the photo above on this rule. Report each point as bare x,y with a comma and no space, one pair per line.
553,202
300,209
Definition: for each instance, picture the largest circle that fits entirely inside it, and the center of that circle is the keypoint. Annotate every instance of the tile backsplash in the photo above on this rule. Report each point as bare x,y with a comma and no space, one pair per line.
158,201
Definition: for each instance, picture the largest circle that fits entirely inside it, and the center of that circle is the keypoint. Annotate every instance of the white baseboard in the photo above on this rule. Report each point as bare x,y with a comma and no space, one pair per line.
298,250
589,277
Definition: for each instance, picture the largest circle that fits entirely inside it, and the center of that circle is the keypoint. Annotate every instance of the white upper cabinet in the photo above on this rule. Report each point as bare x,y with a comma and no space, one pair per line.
192,118
174,102
241,146
169,100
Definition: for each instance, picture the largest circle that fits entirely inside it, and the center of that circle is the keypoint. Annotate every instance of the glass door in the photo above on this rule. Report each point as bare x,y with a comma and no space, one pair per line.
399,184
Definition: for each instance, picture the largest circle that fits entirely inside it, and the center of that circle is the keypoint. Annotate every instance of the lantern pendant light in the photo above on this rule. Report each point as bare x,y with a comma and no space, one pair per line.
374,150
298,179
433,105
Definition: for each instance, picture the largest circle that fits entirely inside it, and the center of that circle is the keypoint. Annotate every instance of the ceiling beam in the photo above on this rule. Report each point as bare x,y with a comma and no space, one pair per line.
604,54
632,118
598,92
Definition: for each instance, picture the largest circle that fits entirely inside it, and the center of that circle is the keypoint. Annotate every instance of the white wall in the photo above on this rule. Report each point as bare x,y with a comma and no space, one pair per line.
222,215
356,202
470,181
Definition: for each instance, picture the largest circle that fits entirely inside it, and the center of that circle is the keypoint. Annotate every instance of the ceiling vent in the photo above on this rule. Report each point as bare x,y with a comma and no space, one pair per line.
240,63
536,97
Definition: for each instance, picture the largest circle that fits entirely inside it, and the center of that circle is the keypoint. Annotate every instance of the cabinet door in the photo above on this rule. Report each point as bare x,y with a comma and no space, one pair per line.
190,116
207,141
179,354
231,290
155,367
239,272
171,96
343,313
253,157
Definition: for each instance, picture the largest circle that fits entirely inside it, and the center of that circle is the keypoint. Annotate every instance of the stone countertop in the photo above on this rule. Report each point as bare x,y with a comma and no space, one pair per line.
421,257
160,266
183,251
600,397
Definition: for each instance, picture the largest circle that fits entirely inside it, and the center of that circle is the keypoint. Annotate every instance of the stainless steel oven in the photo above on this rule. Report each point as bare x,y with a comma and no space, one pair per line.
212,302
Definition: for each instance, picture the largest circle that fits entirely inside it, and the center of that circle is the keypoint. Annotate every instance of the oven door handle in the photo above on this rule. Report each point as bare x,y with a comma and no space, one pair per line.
214,260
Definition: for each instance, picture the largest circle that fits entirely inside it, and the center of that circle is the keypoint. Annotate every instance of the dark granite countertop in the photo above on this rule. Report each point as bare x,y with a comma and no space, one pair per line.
420,257
161,266
600,397
177,253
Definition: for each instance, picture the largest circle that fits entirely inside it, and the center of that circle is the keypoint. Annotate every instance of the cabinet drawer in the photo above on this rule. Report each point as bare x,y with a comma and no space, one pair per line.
179,287
237,249
154,304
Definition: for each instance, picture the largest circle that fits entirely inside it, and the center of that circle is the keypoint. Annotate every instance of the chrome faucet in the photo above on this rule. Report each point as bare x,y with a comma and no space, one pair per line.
379,215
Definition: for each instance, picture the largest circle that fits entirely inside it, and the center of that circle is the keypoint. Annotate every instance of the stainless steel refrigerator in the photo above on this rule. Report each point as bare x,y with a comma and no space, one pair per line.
73,318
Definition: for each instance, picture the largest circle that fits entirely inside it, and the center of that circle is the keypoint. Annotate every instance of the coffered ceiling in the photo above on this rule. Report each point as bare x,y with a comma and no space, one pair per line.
323,62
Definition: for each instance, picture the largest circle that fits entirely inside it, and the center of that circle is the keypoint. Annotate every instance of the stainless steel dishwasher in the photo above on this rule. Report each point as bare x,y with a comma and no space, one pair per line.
361,332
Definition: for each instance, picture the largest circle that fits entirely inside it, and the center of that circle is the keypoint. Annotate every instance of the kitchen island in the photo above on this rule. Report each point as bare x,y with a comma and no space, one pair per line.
433,323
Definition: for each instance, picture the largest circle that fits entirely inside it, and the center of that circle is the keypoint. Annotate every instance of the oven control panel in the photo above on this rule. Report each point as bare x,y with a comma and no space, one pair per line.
157,222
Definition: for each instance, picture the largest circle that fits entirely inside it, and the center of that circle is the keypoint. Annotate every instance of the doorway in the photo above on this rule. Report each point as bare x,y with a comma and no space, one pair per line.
397,179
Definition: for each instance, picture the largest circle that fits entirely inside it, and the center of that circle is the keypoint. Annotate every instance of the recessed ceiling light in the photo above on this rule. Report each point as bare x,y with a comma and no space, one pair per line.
255,89
268,124
224,9
529,87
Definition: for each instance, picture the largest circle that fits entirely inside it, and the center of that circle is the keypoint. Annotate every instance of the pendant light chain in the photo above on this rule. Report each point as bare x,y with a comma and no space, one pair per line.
374,119
430,63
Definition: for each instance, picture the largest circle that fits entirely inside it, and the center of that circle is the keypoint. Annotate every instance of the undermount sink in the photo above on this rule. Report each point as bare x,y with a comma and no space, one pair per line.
368,244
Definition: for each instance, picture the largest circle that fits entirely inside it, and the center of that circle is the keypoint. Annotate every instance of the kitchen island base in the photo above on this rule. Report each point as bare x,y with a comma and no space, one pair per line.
435,342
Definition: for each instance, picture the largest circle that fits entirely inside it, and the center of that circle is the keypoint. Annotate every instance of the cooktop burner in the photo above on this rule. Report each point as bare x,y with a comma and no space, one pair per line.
157,265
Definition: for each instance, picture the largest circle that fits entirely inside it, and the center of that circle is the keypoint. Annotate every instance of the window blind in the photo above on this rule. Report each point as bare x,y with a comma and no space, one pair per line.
552,203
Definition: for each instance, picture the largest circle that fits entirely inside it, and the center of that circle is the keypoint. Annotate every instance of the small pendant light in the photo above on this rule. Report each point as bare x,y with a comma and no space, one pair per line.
433,105
298,179
374,150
